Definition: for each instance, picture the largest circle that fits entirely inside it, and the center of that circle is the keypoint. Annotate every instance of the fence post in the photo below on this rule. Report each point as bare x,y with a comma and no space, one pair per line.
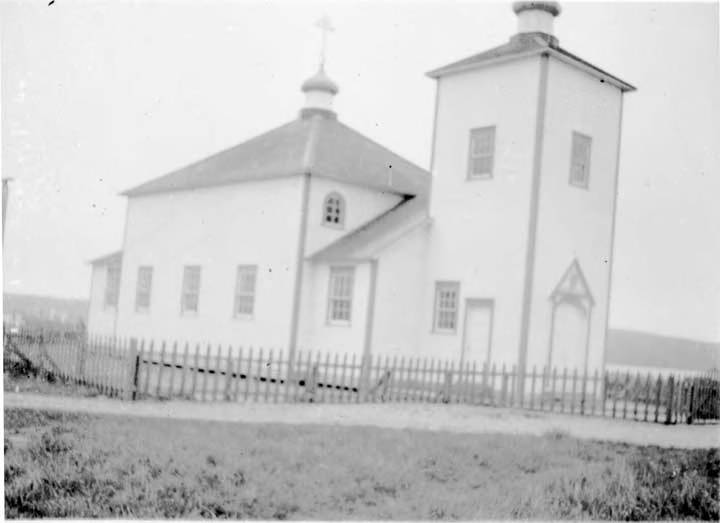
238,373
574,389
671,393
513,381
80,363
503,394
691,404
364,378
311,383
228,374
583,393
532,387
161,368
132,374
447,386
658,390
604,390
626,393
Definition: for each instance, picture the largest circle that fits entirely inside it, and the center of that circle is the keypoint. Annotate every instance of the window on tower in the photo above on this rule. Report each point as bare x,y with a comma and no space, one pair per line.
580,160
334,210
447,295
144,286
482,153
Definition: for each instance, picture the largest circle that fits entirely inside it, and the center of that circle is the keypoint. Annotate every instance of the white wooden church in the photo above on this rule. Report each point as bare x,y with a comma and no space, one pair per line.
312,236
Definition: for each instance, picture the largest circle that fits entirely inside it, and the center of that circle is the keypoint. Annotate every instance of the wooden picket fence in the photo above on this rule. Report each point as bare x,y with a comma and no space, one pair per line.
133,370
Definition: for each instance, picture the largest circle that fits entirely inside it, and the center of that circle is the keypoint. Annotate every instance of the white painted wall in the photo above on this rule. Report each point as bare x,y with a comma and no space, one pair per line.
101,319
217,228
316,332
361,205
400,296
479,233
574,222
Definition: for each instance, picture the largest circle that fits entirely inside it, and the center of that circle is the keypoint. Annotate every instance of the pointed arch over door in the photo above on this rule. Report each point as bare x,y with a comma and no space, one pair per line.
572,305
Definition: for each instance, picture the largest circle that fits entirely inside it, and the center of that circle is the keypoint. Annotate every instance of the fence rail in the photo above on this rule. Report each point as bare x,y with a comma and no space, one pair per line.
132,370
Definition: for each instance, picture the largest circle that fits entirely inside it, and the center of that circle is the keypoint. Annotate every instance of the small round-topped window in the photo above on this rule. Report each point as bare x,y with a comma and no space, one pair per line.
334,210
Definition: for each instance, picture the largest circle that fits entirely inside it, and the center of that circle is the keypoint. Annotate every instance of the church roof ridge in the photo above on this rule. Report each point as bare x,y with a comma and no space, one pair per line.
321,146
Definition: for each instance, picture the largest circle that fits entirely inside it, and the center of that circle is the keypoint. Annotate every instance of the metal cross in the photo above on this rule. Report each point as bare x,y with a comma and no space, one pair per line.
325,27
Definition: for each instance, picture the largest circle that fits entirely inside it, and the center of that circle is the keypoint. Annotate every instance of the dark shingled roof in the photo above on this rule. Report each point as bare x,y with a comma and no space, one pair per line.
317,143
524,45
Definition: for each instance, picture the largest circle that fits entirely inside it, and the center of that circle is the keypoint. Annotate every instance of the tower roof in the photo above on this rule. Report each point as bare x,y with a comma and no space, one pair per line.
551,7
323,147
525,45
534,38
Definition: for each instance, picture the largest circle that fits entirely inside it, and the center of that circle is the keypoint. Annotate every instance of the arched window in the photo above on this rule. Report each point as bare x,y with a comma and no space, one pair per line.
334,210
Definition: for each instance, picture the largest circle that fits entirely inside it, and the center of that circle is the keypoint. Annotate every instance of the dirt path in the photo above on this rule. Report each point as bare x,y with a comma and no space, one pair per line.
453,418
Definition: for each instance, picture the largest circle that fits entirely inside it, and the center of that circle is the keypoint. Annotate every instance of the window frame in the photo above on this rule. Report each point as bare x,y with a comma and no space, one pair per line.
334,271
183,290
143,269
113,303
341,210
471,154
588,140
238,293
439,285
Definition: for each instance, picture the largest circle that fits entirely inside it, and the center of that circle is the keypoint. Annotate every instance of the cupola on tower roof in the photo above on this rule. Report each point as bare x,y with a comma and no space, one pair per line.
319,91
536,17
534,37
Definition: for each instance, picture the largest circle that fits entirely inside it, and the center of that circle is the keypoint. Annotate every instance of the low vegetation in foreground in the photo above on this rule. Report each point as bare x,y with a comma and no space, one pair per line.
68,465
20,377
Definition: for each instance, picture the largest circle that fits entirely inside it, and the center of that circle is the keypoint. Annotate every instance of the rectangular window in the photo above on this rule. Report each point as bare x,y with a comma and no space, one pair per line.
245,290
482,152
580,160
340,294
144,285
112,286
190,288
446,306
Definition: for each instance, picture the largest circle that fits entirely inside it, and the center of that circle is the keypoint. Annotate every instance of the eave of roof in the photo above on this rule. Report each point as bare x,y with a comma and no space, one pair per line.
115,256
318,145
366,241
524,46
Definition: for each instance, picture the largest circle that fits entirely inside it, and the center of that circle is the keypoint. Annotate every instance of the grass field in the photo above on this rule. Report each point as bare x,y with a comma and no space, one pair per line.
68,465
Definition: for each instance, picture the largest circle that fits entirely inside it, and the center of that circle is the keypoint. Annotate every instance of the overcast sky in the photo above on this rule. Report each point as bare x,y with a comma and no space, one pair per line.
100,96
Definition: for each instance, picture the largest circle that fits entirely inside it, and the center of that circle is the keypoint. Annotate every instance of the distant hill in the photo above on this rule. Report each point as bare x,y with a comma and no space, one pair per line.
643,349
44,311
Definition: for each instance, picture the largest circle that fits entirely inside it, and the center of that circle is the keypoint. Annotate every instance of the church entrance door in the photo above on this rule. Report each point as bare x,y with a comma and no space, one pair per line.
569,337
477,336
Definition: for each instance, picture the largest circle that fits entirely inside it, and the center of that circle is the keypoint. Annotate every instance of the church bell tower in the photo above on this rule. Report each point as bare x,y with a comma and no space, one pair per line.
525,171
